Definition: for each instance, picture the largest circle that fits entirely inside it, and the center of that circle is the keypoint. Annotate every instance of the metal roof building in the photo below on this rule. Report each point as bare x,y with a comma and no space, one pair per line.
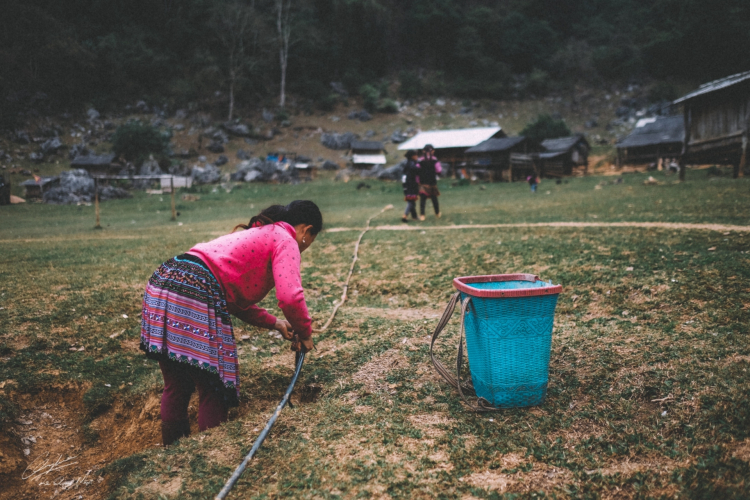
496,145
449,139
367,153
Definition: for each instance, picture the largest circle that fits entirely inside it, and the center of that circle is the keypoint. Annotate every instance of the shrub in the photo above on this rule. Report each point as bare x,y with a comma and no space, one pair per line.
388,106
136,140
370,96
545,127
328,103
410,84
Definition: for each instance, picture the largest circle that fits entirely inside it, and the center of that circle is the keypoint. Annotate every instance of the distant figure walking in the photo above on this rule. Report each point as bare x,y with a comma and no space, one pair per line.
533,181
186,324
429,167
411,185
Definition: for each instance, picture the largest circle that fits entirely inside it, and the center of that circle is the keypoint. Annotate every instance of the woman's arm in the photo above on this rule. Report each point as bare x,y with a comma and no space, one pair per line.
256,316
285,266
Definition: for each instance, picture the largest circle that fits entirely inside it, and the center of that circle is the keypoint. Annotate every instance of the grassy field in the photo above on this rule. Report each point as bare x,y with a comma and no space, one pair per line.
648,392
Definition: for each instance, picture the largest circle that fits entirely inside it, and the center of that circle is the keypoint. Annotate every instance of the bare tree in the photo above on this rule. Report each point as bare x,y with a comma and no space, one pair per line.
284,32
235,25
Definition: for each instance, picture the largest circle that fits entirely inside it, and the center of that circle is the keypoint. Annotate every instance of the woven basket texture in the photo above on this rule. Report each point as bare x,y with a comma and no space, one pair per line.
508,341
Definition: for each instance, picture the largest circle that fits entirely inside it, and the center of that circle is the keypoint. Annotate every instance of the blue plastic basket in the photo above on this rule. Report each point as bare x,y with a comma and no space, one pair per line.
508,328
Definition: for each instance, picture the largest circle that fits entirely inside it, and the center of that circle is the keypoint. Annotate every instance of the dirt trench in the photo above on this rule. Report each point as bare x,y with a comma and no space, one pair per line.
51,451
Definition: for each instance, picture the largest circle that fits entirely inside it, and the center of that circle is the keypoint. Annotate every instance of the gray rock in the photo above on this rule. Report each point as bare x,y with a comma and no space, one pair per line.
369,133
362,116
36,157
339,88
76,186
179,169
329,165
392,173
338,141
243,155
150,167
215,147
372,173
181,114
220,136
113,193
51,146
591,124
22,137
398,137
237,129
439,102
250,142
267,116
221,160
206,175
466,110
141,106
179,127
252,176
92,114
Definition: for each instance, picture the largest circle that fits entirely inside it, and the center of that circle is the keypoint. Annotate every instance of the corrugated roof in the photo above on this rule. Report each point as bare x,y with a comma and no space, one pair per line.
457,138
663,130
561,143
715,85
368,159
495,145
367,145
90,160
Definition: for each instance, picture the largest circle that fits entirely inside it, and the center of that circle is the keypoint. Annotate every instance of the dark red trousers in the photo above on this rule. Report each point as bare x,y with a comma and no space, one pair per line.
180,381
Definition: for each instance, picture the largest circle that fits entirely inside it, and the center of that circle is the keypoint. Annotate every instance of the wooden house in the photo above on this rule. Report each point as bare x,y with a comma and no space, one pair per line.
365,154
716,120
494,155
451,145
97,165
35,188
558,158
651,140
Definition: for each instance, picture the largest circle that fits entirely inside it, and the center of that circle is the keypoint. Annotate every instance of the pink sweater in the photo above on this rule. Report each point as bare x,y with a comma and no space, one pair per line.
249,263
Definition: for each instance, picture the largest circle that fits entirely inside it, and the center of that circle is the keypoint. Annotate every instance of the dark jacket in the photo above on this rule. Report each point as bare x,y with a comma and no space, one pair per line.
427,171
409,178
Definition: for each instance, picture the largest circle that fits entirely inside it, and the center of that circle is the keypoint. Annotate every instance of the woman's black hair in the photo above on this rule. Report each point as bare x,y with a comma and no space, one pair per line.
410,153
297,212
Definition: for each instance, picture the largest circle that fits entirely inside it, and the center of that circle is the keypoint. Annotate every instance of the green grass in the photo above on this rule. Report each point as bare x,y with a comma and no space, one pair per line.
674,326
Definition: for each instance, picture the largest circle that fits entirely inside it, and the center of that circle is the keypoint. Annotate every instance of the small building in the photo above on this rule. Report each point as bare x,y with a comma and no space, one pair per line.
651,140
365,154
494,155
559,157
451,145
96,165
35,188
716,119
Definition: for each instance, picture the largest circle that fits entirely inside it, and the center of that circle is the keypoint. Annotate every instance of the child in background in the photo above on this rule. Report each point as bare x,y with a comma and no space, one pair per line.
429,167
533,181
410,183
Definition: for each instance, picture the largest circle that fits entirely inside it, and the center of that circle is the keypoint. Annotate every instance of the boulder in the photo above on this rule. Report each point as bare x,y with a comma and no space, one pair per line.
181,114
149,167
252,176
206,175
76,186
392,173
362,115
215,147
398,137
220,136
338,141
141,106
267,116
36,157
329,165
113,193
242,155
372,173
51,146
237,129
179,127
22,137
92,114
221,160
339,88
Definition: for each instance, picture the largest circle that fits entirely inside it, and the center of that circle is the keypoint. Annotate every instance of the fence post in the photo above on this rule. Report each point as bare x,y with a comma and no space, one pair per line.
174,209
96,202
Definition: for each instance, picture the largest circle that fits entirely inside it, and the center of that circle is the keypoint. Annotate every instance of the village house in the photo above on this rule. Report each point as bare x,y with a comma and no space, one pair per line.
494,156
451,145
559,157
365,154
652,140
716,119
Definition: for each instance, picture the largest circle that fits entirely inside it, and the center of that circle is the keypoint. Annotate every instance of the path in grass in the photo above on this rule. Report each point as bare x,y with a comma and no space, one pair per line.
645,225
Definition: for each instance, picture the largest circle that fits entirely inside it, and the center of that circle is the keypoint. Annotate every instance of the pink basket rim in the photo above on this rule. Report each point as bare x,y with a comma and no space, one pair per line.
462,285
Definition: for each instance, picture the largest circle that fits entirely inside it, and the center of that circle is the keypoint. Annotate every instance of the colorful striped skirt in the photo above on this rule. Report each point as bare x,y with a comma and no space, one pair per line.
185,320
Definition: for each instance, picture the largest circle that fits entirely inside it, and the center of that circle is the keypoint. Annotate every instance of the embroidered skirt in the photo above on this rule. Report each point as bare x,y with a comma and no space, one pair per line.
428,190
185,320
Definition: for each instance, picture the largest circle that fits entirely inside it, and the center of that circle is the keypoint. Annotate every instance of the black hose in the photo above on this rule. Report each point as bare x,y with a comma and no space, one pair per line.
238,472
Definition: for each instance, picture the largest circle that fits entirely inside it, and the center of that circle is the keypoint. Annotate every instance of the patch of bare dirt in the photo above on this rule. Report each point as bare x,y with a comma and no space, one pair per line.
49,453
372,373
741,450
540,477
401,314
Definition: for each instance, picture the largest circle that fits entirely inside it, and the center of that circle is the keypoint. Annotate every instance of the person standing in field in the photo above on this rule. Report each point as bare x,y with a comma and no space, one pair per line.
186,324
429,167
533,180
410,183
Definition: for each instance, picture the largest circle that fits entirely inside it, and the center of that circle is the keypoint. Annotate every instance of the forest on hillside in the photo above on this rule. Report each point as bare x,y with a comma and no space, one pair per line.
58,56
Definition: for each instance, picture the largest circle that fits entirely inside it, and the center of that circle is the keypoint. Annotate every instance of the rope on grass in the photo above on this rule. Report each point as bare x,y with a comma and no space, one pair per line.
351,270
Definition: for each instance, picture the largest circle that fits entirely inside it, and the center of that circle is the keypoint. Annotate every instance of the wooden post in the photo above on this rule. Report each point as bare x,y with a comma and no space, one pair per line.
743,158
174,209
96,202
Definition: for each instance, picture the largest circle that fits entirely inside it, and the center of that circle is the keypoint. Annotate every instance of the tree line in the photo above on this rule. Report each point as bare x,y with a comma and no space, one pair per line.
102,52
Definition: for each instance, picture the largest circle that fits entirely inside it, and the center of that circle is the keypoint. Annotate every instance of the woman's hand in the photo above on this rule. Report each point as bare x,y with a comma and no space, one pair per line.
301,345
285,328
